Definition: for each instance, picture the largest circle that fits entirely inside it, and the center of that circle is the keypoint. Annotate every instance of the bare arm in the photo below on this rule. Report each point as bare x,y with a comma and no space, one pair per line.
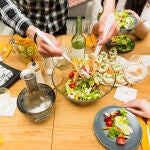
141,30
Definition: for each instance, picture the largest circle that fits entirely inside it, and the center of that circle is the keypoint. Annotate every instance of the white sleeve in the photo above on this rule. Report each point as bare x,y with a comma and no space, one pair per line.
95,10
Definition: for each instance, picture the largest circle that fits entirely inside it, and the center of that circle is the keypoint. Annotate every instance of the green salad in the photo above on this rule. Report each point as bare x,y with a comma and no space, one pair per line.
123,43
124,19
83,89
118,126
100,82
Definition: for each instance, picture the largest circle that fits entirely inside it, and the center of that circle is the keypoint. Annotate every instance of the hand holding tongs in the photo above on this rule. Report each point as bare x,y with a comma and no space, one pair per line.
81,72
108,24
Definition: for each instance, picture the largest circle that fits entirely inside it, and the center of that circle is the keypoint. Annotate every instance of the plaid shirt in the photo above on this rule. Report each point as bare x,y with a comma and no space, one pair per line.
46,15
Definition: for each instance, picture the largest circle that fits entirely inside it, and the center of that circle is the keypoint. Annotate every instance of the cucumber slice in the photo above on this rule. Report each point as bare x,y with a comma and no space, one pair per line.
30,50
23,55
21,48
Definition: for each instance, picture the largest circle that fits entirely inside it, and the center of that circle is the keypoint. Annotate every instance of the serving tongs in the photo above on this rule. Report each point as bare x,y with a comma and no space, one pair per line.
108,24
80,71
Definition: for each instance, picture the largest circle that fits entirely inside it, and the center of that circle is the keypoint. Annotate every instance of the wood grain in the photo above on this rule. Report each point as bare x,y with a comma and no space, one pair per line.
71,128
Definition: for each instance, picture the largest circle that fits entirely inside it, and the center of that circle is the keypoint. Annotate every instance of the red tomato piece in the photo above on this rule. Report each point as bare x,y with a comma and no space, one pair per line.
118,113
71,75
72,85
121,140
108,118
109,123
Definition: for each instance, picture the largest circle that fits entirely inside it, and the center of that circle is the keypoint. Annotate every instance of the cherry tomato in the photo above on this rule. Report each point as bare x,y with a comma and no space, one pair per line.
118,113
108,118
72,85
71,75
121,140
109,123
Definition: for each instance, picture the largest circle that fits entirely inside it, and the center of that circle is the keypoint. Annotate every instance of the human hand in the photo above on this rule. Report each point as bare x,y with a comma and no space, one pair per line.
43,48
140,107
113,31
134,14
46,50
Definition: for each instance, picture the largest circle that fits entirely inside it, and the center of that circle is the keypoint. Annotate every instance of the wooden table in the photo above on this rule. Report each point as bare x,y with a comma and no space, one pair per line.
71,126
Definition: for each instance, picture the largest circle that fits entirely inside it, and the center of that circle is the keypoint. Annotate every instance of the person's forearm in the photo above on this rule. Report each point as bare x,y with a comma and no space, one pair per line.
30,32
12,16
141,31
109,5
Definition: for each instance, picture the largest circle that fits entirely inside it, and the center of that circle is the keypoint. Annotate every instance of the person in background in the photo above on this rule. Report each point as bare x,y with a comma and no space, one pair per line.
140,107
26,16
139,8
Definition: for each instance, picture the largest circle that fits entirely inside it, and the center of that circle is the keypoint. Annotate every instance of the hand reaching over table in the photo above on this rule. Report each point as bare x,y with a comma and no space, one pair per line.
113,31
140,107
43,48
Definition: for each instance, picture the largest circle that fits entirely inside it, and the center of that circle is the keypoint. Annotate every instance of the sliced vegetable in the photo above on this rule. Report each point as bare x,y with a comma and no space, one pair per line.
30,50
117,126
121,140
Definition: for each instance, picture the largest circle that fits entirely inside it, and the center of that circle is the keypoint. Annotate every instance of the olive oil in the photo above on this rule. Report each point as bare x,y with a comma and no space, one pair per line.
78,41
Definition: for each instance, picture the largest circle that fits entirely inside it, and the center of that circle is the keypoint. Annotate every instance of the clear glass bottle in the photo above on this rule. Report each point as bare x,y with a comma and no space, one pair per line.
37,100
78,41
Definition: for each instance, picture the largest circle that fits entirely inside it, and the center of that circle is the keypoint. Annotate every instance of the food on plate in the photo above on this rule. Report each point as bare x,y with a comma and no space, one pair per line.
118,126
92,88
103,67
102,73
113,53
104,55
117,67
112,61
99,60
120,79
108,79
124,19
122,43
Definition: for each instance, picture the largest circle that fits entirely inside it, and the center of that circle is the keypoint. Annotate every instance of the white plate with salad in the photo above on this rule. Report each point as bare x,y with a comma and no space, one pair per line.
122,132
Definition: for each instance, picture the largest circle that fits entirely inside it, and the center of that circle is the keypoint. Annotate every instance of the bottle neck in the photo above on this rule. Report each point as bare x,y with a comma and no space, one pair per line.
78,25
29,78
31,85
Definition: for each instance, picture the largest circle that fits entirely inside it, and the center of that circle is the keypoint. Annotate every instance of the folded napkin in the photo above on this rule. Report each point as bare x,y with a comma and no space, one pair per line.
125,94
8,106
145,135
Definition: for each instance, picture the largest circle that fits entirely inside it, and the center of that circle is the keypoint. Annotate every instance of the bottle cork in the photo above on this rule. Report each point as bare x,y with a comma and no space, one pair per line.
34,65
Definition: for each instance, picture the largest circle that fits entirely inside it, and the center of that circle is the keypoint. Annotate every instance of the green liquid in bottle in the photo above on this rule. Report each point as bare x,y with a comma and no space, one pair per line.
78,41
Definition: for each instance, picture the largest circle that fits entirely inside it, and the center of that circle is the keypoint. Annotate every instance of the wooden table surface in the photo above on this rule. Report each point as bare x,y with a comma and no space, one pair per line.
71,126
